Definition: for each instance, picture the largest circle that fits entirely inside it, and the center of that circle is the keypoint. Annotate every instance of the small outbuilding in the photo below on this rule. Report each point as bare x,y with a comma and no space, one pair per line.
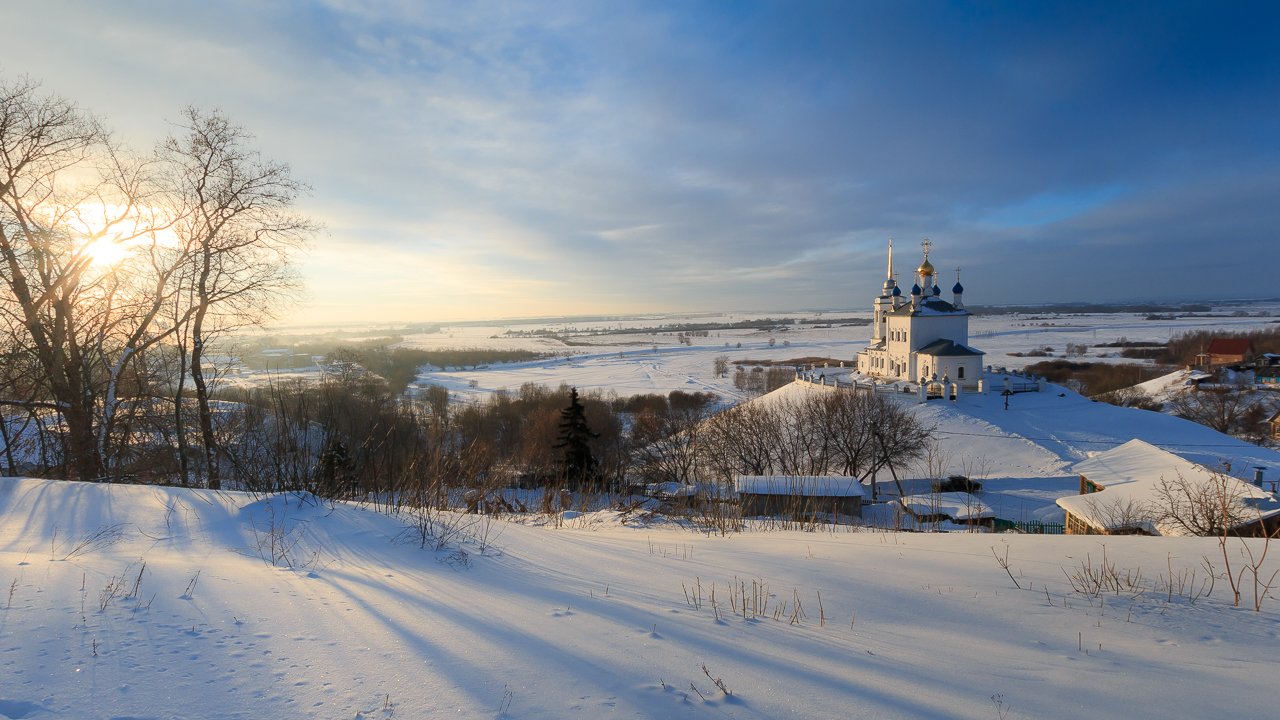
959,508
799,497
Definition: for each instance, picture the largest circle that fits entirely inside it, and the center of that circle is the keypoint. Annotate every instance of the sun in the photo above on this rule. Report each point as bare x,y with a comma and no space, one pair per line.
105,253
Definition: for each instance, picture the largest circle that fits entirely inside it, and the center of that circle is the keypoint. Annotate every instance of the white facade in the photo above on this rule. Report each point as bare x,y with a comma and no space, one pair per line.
920,337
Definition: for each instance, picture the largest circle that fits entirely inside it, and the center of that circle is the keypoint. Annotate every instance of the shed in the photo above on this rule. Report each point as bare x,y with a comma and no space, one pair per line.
961,508
799,497
1124,491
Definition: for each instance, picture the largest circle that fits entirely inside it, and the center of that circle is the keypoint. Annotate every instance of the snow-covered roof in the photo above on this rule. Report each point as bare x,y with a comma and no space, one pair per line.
670,490
955,505
930,306
801,485
947,348
1130,476
1162,386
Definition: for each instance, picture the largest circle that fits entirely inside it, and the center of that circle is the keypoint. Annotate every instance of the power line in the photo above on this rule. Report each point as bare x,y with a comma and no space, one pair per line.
1089,442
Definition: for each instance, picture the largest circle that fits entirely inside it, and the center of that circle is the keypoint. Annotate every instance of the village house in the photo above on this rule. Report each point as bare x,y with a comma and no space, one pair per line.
799,497
1139,489
1266,369
1226,351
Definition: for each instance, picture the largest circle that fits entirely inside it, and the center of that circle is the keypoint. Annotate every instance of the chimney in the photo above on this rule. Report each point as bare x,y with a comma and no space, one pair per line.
1257,475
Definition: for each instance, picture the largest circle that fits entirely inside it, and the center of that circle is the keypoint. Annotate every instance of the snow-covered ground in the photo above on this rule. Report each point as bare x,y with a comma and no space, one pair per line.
173,612
128,602
657,363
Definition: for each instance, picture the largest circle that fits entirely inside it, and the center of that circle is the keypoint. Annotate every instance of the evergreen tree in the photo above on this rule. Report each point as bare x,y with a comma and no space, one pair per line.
580,467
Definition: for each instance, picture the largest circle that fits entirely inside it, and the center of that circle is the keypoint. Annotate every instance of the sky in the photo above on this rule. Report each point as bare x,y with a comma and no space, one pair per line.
473,160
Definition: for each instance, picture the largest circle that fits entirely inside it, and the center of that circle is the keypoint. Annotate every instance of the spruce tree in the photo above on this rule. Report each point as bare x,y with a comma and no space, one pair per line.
580,466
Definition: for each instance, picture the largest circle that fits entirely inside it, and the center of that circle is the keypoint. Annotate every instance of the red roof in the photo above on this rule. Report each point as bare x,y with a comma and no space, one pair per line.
1230,346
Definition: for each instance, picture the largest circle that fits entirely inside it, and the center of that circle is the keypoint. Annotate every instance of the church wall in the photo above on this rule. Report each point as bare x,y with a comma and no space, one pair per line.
949,367
927,329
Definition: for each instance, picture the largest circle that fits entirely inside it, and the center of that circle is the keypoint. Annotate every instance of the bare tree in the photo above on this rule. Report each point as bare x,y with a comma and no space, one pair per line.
1205,507
667,443
235,220
1221,407
739,441
1123,515
67,195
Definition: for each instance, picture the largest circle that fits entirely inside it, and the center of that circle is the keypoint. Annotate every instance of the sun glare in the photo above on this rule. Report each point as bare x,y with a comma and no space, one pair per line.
121,232
105,253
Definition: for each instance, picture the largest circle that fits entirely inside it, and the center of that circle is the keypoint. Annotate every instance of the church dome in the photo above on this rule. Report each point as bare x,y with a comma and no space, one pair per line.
915,290
897,291
937,290
926,267
958,289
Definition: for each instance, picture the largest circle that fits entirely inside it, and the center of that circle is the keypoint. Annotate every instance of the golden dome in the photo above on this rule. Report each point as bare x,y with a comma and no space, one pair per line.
926,267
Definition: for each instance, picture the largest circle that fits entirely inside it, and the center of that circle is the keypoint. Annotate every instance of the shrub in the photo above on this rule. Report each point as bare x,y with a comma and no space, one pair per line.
957,483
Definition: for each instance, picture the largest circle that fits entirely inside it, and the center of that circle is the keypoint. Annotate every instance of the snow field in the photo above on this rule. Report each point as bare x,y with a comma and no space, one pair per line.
588,619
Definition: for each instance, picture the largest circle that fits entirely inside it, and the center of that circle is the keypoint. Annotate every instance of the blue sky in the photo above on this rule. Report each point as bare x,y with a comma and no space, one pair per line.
491,159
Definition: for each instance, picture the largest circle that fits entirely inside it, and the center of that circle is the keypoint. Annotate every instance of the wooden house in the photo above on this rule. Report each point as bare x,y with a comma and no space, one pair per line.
1266,369
1124,491
798,497
1229,351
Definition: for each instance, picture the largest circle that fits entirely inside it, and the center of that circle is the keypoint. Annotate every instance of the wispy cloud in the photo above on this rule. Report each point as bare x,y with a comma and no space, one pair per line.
482,159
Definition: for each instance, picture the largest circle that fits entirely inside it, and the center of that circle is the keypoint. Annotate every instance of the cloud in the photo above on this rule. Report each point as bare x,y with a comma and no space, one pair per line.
587,157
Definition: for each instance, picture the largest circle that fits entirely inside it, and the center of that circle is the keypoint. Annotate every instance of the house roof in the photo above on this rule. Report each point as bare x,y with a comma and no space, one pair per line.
1131,475
1230,346
947,348
801,485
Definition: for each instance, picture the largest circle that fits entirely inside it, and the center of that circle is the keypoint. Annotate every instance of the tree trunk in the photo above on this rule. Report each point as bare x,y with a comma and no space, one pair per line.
202,399
179,421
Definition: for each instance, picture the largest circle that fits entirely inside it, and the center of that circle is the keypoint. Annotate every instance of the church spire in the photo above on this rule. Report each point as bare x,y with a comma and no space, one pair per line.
889,283
925,272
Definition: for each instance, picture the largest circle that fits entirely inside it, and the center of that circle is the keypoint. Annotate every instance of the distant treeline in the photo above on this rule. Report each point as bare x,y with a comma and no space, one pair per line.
761,324
399,366
1183,348
1094,378
1087,309
835,321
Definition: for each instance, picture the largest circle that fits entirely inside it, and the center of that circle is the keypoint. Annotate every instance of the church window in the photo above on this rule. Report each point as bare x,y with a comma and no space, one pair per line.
960,372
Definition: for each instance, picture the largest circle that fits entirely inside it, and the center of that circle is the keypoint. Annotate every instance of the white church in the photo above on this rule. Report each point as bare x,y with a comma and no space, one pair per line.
921,338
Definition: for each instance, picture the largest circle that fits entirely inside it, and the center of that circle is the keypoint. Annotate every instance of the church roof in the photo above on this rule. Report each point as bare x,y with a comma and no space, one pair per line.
930,306
947,348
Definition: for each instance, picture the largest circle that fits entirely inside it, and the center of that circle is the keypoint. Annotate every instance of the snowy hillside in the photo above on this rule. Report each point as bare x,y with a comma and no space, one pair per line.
1024,455
137,602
